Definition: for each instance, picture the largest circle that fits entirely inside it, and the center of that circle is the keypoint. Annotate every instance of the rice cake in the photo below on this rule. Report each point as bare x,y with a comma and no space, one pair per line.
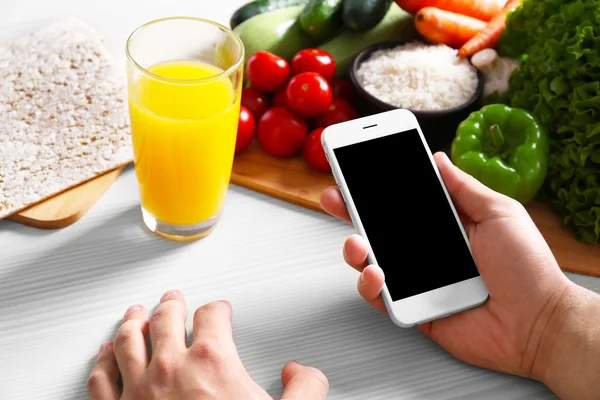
63,113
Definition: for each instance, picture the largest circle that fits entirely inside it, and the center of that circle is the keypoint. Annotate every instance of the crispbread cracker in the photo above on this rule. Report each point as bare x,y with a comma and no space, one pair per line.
63,113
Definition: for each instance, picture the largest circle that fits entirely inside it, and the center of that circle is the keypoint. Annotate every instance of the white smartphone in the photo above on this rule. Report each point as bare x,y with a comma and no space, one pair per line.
398,202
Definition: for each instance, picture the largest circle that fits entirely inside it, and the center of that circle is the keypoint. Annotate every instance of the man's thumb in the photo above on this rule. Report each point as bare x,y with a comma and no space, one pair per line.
303,383
475,200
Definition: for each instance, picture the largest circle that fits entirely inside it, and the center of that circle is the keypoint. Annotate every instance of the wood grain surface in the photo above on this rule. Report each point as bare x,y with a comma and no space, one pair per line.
293,181
67,207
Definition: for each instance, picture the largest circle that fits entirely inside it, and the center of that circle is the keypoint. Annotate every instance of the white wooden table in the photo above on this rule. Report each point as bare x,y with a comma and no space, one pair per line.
62,293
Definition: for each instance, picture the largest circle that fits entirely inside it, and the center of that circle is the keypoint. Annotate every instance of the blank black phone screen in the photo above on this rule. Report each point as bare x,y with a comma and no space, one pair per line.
413,233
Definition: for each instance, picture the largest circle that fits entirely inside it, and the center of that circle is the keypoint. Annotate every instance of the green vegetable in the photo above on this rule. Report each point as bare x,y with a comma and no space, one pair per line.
276,31
256,7
504,148
397,25
322,19
558,42
362,15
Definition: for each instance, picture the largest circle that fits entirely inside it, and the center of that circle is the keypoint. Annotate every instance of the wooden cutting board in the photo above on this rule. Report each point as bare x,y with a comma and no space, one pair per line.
69,206
293,181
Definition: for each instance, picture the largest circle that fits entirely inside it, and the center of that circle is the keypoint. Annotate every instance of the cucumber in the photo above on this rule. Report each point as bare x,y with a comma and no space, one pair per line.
396,25
256,7
362,15
322,19
276,31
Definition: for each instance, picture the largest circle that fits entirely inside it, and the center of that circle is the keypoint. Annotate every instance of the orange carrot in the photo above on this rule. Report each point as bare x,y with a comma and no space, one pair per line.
446,27
484,10
488,37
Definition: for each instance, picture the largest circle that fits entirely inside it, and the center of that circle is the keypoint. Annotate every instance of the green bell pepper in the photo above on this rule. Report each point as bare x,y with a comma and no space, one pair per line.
504,148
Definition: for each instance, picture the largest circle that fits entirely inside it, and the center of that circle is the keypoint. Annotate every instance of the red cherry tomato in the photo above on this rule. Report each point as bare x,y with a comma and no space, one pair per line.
313,152
281,133
343,88
267,72
246,128
314,60
255,101
309,94
339,111
280,98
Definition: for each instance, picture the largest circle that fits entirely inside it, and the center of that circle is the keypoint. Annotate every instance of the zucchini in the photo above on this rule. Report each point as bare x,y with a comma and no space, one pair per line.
322,19
396,25
278,32
256,7
362,15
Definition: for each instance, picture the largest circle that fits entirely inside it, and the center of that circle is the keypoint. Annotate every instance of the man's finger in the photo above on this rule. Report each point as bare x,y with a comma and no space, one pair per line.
370,284
472,198
130,343
167,323
333,203
467,224
356,251
102,383
212,327
300,382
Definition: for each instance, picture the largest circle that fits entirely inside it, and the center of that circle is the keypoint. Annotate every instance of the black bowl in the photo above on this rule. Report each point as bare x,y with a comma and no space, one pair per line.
439,127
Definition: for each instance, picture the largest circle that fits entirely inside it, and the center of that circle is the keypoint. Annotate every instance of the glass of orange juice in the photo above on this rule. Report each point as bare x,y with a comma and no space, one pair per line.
184,79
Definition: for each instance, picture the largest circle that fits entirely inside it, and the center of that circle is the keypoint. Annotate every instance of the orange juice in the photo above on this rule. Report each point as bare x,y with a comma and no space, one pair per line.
184,125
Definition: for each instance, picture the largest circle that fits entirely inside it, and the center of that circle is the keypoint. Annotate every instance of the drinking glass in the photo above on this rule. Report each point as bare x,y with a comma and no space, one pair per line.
184,80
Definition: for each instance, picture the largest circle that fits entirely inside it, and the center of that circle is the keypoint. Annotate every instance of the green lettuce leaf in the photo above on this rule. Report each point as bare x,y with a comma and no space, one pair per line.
558,45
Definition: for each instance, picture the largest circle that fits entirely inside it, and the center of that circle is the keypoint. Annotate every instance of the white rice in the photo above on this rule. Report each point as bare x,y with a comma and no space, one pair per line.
419,77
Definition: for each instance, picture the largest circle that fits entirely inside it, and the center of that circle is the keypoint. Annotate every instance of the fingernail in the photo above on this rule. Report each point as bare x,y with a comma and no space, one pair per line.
104,347
133,308
168,294
362,277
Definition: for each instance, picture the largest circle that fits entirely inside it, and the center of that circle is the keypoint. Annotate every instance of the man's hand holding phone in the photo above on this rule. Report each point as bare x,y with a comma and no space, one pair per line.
519,329
441,277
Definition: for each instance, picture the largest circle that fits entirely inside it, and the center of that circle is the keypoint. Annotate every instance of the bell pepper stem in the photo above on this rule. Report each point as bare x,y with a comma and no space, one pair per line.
497,136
